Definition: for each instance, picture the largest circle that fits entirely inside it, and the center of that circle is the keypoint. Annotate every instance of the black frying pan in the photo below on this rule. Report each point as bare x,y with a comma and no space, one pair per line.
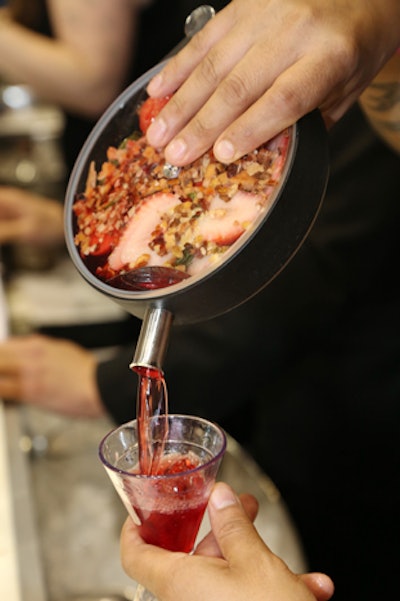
261,253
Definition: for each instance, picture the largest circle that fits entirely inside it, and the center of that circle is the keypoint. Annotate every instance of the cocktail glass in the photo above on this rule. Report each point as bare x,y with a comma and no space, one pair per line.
169,503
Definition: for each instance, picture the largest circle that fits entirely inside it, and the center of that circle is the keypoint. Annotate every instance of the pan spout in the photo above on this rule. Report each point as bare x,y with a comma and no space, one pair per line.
153,339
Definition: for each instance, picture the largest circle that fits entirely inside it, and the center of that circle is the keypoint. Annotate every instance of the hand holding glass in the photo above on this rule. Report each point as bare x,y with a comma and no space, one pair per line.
170,502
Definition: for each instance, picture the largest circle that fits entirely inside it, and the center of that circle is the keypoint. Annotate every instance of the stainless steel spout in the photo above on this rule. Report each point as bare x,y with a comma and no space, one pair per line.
153,339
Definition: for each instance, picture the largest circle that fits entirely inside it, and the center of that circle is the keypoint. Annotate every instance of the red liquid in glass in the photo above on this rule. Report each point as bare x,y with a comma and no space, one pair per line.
173,519
175,531
171,509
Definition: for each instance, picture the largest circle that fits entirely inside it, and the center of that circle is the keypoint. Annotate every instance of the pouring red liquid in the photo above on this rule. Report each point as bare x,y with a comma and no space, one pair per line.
152,402
172,527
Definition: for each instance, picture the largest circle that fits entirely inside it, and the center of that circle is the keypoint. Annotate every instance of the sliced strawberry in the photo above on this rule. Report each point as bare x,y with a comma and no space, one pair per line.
280,143
103,244
137,235
224,222
149,110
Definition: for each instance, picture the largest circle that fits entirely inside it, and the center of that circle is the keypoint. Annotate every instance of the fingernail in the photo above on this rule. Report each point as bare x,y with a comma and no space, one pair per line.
155,84
156,132
222,496
176,150
224,151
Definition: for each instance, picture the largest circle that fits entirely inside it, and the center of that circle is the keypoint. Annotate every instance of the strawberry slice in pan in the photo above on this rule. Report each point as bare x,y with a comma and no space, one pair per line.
225,222
102,244
133,246
149,110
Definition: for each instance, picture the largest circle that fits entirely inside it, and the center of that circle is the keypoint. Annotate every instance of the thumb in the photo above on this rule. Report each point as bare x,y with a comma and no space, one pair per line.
232,528
319,584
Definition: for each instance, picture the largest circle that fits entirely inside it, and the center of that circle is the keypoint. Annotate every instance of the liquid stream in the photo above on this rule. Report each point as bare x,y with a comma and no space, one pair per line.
151,410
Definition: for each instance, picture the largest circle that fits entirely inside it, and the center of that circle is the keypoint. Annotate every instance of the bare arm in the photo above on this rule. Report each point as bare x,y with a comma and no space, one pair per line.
54,374
260,65
381,103
84,66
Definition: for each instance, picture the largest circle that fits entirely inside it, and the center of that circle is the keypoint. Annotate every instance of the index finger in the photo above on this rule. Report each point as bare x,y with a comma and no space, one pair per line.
192,77
135,552
165,572
145,563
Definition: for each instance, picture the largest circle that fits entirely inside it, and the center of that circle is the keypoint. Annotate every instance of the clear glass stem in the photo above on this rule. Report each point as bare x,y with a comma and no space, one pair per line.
142,594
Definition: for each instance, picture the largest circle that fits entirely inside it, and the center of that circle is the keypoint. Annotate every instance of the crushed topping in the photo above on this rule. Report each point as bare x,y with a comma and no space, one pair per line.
204,194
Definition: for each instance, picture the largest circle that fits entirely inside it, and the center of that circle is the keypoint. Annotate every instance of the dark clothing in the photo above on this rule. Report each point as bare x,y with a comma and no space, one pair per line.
307,375
328,427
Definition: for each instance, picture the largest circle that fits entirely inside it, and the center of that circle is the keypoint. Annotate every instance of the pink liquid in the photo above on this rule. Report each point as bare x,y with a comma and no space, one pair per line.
171,509
175,531
174,516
